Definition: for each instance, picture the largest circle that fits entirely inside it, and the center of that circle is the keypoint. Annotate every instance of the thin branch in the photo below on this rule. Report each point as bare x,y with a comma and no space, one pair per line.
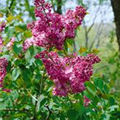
16,110
59,6
9,8
89,29
86,34
50,112
96,36
102,29
29,10
34,118
41,84
24,110
53,6
74,46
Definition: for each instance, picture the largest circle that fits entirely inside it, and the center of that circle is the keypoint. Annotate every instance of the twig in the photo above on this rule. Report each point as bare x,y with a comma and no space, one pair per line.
74,46
34,118
50,112
29,10
53,6
24,110
9,7
89,29
86,34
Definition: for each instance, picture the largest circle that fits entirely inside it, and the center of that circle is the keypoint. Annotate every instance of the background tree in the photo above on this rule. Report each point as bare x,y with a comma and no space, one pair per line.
116,9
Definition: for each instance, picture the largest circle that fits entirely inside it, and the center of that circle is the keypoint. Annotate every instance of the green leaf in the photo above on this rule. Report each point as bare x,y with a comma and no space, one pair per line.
17,115
70,41
41,102
31,52
99,83
9,66
66,46
15,74
17,48
27,34
21,28
72,114
111,101
10,18
90,85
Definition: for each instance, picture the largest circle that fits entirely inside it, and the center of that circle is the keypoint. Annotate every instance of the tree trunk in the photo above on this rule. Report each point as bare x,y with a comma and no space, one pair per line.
59,6
116,9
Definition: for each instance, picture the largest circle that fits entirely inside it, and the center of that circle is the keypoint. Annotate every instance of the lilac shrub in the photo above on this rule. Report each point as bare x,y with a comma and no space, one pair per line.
51,30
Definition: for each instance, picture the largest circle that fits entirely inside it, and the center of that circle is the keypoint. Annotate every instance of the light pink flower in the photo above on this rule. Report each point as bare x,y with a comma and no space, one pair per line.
11,43
87,101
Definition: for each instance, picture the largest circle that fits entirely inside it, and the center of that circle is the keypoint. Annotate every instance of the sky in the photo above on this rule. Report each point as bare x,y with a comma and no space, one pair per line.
105,12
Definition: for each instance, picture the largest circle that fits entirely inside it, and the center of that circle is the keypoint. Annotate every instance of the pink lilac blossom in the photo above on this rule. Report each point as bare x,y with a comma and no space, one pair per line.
68,73
87,101
3,65
1,44
28,42
2,26
3,61
6,90
11,43
52,29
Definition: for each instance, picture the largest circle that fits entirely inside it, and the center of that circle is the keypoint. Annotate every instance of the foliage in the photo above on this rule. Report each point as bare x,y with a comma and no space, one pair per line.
31,88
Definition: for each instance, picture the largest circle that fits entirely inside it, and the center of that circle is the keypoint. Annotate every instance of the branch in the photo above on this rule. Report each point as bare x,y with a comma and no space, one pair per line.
10,7
59,6
34,118
16,110
104,66
97,33
89,29
102,29
53,6
74,46
86,34
29,10
50,112
24,110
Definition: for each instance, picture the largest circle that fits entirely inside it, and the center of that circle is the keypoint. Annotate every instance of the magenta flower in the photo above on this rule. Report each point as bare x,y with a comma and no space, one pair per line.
3,65
68,73
7,90
52,29
2,26
86,101
1,44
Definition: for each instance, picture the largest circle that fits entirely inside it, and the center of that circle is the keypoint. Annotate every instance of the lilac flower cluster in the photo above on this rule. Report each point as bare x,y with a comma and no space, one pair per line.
68,73
87,101
11,43
1,43
2,26
3,65
52,29
3,61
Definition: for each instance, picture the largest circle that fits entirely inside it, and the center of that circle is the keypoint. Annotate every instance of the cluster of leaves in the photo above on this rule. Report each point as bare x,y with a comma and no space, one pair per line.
31,97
